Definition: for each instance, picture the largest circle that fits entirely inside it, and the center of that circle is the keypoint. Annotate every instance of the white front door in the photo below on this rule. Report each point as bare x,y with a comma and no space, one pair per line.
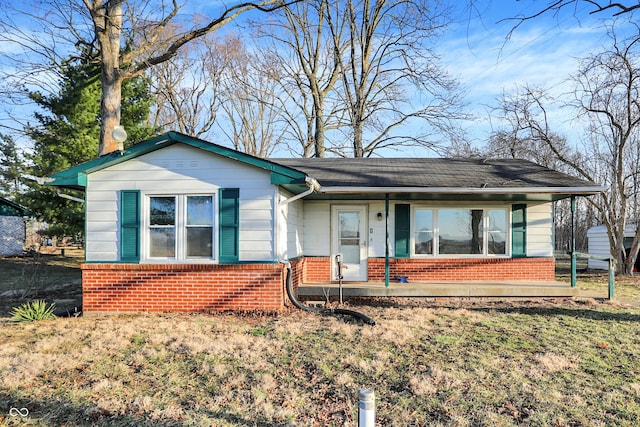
349,242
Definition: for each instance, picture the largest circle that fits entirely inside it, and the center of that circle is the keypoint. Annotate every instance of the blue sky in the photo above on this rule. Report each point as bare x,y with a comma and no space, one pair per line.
541,52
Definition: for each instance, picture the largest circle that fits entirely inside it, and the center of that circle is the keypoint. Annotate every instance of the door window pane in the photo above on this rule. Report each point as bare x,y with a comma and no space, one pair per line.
423,231
349,237
460,231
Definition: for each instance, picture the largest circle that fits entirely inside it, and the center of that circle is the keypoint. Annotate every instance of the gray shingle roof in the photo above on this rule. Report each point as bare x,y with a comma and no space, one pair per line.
432,173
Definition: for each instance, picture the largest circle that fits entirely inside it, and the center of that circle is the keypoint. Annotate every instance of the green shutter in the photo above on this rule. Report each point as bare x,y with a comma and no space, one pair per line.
519,231
229,221
130,226
402,231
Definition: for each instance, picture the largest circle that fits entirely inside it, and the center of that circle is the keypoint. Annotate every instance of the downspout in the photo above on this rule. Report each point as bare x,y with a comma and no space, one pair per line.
313,186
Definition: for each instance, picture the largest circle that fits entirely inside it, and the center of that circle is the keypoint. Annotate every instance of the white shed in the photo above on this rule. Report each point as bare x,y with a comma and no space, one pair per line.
598,242
12,228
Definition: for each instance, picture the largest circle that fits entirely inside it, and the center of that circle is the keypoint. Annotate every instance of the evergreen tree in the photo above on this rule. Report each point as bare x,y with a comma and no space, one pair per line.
11,168
68,133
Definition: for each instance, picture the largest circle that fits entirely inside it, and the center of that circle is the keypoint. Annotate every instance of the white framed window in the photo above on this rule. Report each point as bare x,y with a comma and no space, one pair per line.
180,227
459,231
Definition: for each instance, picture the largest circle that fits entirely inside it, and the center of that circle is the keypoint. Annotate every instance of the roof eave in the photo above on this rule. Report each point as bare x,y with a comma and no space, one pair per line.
76,176
582,191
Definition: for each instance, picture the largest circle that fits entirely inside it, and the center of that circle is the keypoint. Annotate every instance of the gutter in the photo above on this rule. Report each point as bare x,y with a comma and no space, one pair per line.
313,186
461,190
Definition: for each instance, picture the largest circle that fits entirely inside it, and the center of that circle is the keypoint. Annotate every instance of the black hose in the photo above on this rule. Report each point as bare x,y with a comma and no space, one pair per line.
72,312
325,311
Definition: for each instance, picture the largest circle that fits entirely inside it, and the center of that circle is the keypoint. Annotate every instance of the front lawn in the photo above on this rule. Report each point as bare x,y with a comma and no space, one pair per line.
462,363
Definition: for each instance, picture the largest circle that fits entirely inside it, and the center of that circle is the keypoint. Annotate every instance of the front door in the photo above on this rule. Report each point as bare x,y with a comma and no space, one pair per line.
349,242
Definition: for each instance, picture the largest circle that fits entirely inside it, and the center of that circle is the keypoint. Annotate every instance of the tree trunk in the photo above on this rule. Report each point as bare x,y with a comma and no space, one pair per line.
632,255
319,127
107,20
110,110
358,128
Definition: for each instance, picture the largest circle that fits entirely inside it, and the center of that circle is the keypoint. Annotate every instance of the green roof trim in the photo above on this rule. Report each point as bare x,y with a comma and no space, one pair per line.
9,208
76,176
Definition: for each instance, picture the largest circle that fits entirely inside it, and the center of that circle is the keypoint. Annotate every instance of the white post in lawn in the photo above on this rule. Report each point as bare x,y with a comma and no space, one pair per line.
366,408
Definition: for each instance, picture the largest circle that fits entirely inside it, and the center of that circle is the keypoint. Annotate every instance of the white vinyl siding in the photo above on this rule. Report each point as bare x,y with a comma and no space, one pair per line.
540,230
598,244
317,235
180,169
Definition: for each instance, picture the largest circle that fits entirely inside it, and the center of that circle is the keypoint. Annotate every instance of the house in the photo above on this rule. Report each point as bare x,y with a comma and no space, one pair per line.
12,228
598,245
180,224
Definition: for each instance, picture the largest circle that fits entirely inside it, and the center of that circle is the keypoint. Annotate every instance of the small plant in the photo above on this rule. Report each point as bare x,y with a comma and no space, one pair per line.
32,311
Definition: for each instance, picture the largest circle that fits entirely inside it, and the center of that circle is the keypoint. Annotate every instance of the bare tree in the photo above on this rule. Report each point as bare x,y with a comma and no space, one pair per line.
391,82
366,73
187,87
606,95
302,46
249,100
125,37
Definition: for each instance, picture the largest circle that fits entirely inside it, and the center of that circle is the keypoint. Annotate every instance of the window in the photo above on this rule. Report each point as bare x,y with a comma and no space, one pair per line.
460,231
181,227
497,232
162,227
424,231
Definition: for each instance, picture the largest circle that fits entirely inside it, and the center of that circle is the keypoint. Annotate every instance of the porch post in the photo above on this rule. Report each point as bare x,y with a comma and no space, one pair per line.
573,243
386,240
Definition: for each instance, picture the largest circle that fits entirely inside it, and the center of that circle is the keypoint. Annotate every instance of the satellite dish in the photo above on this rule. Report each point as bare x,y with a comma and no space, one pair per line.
120,136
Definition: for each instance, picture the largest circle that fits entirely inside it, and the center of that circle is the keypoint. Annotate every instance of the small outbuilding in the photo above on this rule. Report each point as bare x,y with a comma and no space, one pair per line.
12,227
598,244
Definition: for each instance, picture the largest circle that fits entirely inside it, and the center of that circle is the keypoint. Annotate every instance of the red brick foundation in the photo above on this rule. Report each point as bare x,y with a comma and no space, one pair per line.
260,287
185,288
465,269
318,269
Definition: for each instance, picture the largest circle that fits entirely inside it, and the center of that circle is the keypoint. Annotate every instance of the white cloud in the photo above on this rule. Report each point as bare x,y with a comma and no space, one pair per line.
488,65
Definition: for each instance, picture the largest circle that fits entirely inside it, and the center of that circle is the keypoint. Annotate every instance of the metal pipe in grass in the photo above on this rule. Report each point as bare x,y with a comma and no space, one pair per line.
366,408
325,311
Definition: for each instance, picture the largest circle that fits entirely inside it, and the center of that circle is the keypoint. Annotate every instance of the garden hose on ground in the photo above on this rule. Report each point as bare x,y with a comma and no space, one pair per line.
325,311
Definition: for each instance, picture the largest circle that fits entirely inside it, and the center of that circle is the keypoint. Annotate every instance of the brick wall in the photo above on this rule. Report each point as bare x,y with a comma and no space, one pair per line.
538,269
318,269
193,287
260,287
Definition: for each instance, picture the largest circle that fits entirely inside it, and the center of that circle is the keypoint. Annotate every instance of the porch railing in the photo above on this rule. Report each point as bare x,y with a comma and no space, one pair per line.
611,270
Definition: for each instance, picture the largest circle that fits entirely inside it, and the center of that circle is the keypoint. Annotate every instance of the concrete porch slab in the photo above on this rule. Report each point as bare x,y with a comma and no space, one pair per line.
480,289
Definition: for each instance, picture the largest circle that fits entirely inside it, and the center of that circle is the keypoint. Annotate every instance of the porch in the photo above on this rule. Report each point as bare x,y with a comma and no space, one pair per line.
440,289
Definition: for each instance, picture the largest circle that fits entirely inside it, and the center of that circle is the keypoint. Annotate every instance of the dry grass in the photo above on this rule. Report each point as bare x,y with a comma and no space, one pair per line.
493,364
460,363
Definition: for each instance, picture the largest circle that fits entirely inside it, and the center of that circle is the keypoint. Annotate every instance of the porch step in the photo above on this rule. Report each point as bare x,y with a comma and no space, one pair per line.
479,289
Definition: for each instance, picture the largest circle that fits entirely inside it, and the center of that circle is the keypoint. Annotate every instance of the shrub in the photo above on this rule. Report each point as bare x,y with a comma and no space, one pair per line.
32,311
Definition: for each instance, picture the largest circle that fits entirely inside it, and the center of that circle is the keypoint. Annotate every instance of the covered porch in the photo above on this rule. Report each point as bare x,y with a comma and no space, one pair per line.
438,289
